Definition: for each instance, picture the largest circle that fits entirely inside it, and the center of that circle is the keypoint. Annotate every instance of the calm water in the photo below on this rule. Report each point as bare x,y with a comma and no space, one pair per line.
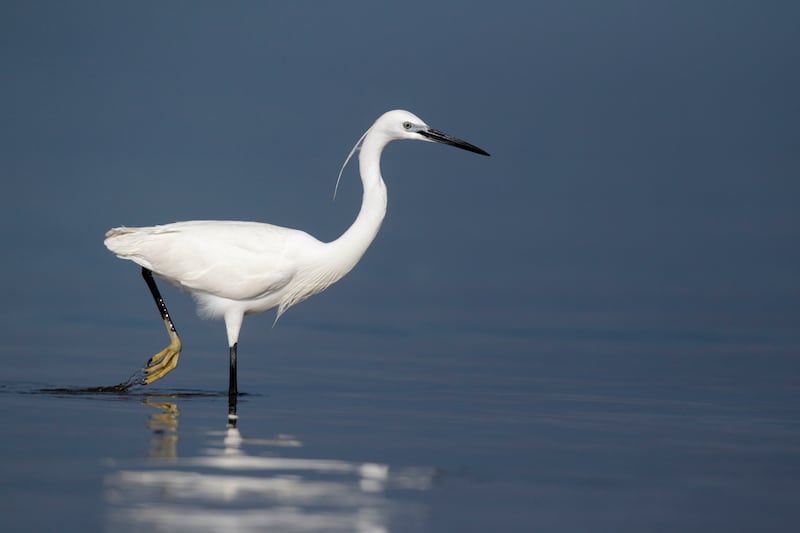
595,329
498,432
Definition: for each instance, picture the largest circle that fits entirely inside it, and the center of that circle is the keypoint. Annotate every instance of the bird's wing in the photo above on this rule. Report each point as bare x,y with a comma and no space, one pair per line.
234,260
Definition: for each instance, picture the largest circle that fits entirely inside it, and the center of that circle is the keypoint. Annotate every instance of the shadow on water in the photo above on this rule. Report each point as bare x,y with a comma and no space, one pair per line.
135,390
137,393
137,380
135,385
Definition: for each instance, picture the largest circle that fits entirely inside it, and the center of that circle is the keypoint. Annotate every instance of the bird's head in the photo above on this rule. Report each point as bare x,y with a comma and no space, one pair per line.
399,124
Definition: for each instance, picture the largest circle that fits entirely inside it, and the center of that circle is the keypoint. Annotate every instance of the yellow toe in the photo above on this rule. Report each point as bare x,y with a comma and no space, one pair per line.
164,361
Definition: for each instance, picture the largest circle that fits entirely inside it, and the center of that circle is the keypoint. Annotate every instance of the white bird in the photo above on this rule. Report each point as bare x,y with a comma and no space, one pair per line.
233,269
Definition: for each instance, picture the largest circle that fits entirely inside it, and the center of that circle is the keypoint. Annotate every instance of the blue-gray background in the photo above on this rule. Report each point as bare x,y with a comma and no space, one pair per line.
636,225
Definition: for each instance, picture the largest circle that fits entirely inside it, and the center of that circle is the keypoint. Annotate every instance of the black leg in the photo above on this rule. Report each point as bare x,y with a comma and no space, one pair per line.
233,391
167,359
162,307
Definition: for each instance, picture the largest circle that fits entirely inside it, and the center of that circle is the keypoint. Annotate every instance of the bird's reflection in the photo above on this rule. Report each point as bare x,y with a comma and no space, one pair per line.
163,422
238,483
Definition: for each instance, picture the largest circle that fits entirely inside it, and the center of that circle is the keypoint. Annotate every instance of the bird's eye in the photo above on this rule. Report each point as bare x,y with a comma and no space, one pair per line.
407,125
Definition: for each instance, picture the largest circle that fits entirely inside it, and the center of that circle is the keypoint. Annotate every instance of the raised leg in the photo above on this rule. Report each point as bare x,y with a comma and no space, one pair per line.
233,391
166,360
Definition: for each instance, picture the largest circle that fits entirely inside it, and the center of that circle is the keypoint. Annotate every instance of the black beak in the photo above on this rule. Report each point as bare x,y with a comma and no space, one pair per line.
439,137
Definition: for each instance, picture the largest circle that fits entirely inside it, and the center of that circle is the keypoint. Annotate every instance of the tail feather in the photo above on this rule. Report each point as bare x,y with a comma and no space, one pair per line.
122,240
126,243
114,232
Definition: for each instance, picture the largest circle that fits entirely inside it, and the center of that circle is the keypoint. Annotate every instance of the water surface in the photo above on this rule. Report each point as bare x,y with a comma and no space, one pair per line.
568,441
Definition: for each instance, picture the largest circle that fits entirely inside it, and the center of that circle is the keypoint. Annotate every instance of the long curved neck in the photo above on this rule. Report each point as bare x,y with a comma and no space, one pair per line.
348,249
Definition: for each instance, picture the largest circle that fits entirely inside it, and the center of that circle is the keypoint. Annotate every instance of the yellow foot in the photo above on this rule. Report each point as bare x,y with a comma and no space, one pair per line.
164,361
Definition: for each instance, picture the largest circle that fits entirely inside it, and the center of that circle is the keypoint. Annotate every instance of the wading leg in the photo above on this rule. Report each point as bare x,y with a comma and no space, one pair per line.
233,391
166,360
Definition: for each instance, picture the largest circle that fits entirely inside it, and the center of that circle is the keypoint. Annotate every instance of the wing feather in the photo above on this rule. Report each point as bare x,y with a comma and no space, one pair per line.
234,260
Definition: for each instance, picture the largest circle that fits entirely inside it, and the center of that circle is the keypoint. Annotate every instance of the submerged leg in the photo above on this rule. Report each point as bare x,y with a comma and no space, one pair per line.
233,391
166,360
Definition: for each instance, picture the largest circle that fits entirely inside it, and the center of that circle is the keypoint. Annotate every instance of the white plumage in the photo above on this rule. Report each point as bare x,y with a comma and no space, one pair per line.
237,268
232,268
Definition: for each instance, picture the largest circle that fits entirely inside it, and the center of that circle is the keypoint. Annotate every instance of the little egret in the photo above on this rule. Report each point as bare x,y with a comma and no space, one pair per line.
233,269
